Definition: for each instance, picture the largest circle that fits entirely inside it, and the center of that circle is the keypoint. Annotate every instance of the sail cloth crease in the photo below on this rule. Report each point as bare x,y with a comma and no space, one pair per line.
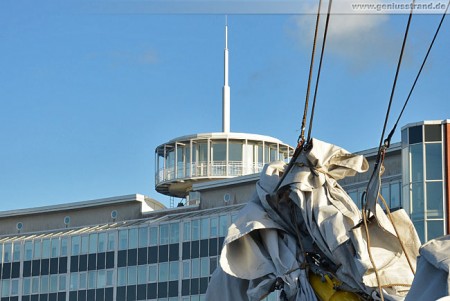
433,264
311,214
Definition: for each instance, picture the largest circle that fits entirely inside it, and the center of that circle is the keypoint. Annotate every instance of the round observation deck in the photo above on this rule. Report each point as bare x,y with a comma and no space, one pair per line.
213,156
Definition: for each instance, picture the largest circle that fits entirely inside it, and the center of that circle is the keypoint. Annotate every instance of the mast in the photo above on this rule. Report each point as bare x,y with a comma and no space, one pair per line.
226,88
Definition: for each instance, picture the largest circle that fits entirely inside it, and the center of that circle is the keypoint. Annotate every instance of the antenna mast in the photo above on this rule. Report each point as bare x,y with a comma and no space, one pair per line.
226,88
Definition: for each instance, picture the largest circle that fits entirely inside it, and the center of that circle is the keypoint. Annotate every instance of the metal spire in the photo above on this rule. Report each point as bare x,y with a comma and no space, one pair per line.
226,88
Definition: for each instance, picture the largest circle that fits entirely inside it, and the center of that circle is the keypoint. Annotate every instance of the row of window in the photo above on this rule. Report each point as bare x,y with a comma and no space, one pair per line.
131,275
90,262
131,238
97,295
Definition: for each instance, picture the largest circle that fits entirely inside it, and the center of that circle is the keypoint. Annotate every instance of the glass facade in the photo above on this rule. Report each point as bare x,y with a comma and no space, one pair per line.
423,179
168,260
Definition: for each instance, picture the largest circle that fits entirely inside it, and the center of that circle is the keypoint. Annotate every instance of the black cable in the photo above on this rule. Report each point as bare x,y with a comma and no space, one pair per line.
395,83
380,148
319,69
301,137
387,142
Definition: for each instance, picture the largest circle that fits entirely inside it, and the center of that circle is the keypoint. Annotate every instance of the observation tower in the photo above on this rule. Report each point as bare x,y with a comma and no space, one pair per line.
213,156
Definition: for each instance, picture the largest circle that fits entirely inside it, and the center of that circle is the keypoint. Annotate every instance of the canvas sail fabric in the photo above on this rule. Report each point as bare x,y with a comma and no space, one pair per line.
312,214
432,279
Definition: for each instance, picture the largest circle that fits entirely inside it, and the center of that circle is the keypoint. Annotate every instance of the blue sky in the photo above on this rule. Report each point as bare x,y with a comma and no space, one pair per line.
87,94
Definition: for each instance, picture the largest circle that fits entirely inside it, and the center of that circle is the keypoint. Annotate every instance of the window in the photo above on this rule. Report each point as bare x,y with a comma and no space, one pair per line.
202,152
92,279
435,206
16,252
153,236
235,149
46,248
418,205
204,230
174,233
132,238
53,283
93,243
122,276
143,237
64,246
164,234
26,286
195,269
84,244
415,134
44,284
219,151
395,195
204,267
76,245
213,227
195,234
152,273
223,225
35,285
186,231
73,281
101,279
132,275
5,288
163,272
433,161
28,250
186,269
83,280
433,133
37,249
180,161
102,238
416,153
435,228
62,283
111,241
14,287
109,278
123,239
173,270
55,248
142,274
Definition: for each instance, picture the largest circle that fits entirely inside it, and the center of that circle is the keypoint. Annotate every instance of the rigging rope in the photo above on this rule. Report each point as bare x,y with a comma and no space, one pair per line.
382,148
395,79
301,138
319,69
381,151
387,142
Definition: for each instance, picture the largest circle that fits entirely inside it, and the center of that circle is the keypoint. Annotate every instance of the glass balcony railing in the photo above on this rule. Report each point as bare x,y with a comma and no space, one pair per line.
207,169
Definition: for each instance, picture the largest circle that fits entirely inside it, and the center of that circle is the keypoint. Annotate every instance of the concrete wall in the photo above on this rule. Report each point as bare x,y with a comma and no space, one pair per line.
240,194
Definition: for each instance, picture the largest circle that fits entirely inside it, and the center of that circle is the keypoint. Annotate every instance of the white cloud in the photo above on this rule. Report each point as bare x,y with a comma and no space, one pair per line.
361,40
